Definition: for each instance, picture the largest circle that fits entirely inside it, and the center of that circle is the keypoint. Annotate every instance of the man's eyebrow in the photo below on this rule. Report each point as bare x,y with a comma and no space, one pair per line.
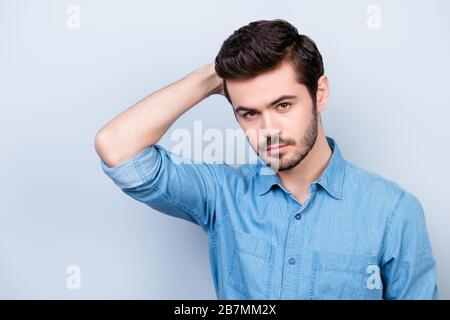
283,97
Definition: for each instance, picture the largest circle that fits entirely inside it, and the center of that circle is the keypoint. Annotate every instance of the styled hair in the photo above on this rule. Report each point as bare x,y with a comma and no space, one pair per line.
261,46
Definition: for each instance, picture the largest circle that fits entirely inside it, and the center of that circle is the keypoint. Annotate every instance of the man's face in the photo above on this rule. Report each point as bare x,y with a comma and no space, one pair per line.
281,130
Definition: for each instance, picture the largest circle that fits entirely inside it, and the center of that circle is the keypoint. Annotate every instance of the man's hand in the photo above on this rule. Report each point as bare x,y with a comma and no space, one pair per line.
217,82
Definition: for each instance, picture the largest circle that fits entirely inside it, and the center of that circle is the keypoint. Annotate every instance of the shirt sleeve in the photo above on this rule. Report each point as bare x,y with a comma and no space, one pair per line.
408,268
169,183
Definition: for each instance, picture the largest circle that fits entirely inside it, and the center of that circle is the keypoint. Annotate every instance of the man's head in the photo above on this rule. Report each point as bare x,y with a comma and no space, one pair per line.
274,79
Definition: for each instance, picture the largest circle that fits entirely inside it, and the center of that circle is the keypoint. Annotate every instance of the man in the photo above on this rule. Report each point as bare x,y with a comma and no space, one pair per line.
318,227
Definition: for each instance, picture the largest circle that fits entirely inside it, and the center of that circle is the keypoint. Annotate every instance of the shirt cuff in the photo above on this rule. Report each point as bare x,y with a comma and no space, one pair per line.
130,174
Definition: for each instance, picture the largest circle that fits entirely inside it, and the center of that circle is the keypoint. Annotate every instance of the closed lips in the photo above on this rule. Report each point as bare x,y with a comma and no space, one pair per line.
277,146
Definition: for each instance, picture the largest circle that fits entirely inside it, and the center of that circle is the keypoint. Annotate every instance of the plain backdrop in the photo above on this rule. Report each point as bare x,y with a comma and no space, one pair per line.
63,77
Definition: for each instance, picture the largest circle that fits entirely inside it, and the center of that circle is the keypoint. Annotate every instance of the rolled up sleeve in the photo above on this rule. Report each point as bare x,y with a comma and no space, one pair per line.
170,184
132,173
408,266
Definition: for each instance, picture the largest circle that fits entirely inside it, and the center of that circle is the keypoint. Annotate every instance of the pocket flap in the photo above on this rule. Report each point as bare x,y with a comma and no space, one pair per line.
257,246
344,262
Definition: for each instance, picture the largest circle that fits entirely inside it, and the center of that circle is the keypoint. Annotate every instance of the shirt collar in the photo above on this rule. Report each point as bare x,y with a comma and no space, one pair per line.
331,179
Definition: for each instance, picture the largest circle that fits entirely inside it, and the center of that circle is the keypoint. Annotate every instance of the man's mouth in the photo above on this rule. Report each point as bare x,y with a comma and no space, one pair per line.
276,148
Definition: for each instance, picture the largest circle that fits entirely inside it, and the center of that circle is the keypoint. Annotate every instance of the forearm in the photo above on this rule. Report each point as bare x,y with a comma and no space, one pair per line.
145,122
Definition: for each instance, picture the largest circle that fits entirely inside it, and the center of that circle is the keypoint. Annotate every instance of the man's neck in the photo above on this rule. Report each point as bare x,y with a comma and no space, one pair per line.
298,179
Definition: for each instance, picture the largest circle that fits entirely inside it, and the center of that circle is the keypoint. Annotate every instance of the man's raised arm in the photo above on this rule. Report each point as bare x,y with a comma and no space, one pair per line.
144,123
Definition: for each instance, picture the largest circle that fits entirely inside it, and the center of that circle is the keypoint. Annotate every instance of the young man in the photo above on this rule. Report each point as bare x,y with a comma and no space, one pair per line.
318,227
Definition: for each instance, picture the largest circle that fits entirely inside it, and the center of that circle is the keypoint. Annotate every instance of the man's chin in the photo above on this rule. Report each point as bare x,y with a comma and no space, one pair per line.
279,164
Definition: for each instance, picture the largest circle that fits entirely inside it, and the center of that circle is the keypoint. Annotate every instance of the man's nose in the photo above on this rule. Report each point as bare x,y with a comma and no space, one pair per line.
270,123
270,135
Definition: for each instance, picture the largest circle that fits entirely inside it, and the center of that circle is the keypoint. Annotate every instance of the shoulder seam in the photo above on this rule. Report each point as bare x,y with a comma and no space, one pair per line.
374,175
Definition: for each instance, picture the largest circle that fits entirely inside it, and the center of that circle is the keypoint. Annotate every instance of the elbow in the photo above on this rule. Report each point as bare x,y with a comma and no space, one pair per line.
104,147
109,149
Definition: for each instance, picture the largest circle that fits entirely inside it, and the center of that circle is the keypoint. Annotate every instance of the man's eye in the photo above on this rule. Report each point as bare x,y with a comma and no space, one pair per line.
284,105
249,114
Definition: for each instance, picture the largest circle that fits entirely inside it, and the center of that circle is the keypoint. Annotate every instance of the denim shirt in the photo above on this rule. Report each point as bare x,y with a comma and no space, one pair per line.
357,236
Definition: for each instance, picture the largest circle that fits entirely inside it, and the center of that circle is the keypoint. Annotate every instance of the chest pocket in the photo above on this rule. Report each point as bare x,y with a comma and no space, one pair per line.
346,276
251,265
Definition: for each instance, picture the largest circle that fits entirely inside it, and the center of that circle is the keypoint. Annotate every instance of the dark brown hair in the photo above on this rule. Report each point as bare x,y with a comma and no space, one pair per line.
261,46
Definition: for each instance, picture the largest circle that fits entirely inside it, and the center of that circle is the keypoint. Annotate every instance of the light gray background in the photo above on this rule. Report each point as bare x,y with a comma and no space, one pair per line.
389,111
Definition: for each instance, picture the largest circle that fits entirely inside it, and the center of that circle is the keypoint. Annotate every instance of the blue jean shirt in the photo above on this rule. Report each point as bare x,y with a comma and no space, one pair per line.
357,236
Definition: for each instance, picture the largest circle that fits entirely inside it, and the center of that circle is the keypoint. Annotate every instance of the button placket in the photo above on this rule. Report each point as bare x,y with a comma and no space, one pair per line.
288,285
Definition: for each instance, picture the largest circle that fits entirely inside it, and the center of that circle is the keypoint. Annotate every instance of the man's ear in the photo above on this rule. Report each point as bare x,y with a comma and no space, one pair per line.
322,92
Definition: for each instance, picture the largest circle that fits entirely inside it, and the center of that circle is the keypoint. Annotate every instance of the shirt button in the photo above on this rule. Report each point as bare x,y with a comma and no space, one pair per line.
298,216
291,261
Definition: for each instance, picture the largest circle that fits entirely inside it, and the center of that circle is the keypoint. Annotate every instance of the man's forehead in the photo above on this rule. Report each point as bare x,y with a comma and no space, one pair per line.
262,89
270,80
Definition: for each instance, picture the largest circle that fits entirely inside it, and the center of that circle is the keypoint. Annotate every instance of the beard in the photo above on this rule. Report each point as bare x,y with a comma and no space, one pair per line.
288,161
